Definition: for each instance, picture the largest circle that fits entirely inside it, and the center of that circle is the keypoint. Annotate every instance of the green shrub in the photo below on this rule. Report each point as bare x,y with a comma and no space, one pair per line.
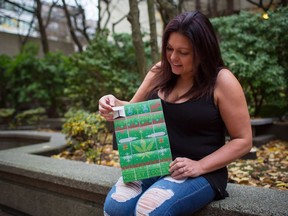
5,61
255,50
55,69
87,132
22,75
106,66
57,82
30,117
6,115
32,82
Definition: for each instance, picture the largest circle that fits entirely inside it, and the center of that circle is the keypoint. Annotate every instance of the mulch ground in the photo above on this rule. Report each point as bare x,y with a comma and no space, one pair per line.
269,169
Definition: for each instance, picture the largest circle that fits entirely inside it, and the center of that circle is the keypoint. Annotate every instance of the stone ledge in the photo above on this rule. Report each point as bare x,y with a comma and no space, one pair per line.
262,121
248,201
38,185
260,140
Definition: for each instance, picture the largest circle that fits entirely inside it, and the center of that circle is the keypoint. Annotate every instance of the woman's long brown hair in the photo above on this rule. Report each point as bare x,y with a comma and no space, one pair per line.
206,56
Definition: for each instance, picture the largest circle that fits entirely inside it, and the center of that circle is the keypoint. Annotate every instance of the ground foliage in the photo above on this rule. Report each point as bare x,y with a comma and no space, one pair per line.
269,169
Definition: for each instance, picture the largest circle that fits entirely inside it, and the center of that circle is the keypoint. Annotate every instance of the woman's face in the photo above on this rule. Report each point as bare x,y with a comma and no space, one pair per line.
179,53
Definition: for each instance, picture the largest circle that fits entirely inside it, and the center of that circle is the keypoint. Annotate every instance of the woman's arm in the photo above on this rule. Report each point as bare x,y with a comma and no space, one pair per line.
108,101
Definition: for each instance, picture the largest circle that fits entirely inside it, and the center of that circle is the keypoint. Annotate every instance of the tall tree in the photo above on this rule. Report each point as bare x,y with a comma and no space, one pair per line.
133,18
198,5
153,31
212,8
230,7
168,10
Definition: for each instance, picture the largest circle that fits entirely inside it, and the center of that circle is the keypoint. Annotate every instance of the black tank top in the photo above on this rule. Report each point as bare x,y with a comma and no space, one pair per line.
196,129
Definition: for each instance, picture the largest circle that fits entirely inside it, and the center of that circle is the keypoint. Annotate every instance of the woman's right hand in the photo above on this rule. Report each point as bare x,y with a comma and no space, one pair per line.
108,101
105,106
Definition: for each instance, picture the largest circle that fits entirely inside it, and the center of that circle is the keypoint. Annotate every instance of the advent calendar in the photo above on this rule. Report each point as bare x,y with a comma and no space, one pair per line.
142,140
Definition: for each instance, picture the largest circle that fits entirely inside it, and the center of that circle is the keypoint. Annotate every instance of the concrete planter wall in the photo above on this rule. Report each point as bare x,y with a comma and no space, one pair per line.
280,130
267,129
39,185
49,123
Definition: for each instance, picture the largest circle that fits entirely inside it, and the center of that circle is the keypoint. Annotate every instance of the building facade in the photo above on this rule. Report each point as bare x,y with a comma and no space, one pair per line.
20,23
113,15
16,23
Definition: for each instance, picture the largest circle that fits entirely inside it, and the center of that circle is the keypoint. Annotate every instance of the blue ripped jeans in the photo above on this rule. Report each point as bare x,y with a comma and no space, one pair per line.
158,196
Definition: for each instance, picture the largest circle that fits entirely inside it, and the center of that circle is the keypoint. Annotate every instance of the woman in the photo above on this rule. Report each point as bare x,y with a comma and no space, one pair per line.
201,99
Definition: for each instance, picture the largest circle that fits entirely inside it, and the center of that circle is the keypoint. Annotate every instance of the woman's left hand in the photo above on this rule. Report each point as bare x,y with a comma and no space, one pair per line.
183,167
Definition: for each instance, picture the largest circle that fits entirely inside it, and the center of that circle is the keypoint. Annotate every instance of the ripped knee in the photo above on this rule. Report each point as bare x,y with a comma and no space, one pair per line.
126,191
152,199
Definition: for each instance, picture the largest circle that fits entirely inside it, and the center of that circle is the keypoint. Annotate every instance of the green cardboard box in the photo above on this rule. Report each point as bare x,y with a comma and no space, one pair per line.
142,140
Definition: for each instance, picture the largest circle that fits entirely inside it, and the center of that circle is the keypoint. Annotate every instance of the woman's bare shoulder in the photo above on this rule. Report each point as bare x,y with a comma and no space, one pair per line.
146,84
227,85
226,79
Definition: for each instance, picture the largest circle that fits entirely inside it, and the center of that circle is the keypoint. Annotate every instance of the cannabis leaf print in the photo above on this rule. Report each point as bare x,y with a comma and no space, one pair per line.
144,148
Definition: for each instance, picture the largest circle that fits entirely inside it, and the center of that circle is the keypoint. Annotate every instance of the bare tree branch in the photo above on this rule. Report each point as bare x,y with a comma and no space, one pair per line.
24,41
54,3
71,28
261,5
117,22
42,30
107,2
84,27
20,6
99,17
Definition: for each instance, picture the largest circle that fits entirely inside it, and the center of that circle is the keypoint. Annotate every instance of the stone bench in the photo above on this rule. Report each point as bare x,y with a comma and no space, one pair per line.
260,131
261,134
38,185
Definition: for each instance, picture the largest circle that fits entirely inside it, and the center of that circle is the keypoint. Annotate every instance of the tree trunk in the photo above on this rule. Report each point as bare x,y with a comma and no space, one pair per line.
153,31
214,9
284,3
98,28
230,7
167,10
42,30
198,5
133,18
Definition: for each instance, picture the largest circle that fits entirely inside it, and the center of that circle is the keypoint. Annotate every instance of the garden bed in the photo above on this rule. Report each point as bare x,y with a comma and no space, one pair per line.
268,170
